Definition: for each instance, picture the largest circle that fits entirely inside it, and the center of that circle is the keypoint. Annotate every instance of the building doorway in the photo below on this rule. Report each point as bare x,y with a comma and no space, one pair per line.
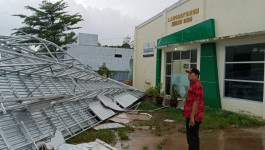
176,64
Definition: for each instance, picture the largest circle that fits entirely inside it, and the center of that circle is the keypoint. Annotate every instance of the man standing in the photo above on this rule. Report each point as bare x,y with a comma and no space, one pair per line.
193,109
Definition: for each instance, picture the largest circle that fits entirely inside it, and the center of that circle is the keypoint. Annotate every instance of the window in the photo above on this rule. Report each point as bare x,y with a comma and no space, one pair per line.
185,54
176,55
118,55
189,56
244,72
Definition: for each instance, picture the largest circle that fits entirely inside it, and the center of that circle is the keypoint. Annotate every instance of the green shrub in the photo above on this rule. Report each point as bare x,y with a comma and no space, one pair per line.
150,92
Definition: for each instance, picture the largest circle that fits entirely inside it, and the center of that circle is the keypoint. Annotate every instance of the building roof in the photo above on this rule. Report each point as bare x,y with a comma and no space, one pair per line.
41,92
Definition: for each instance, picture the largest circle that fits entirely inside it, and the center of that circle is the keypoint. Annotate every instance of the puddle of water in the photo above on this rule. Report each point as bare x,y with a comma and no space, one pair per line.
227,139
231,139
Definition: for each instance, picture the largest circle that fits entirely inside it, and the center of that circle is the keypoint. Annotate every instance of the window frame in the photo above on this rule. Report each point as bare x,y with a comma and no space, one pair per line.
245,81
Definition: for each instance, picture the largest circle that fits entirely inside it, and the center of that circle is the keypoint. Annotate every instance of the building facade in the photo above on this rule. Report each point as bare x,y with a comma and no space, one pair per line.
89,53
224,39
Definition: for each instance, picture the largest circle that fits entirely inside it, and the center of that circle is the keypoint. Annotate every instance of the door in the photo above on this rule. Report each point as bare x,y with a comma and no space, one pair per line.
179,78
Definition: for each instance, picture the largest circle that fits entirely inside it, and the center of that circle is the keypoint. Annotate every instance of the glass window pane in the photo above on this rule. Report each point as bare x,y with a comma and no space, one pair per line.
244,90
245,71
169,58
176,55
251,52
193,58
168,82
193,66
185,54
168,69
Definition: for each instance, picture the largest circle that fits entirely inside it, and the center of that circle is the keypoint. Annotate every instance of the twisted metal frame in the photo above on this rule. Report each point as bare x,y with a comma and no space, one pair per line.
41,92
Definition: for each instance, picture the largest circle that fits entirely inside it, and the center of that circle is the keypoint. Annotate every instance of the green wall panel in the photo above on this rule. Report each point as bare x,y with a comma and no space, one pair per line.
158,66
209,71
208,50
203,30
209,75
211,91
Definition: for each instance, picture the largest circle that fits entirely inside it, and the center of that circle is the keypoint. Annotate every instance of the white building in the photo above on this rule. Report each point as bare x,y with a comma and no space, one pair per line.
88,52
224,39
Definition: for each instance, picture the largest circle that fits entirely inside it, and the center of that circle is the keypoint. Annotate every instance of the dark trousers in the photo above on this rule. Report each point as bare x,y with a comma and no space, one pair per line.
192,133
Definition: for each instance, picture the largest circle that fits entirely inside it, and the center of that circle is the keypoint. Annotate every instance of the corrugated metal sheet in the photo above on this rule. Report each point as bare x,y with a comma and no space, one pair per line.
108,126
101,111
125,100
109,103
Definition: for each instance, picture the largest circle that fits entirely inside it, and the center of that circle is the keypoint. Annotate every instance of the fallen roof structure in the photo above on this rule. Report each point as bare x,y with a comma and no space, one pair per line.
41,92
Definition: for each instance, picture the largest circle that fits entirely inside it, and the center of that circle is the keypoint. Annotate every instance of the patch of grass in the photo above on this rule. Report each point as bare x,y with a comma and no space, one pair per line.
182,130
217,118
158,130
175,114
123,132
145,147
162,144
213,118
141,123
123,135
147,105
91,135
125,146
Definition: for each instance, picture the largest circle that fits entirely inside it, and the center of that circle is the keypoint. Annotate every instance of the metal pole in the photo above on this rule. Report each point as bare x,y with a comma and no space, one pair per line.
29,135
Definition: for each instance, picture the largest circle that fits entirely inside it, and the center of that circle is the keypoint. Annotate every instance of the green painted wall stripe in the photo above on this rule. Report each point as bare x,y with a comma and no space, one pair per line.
203,30
209,75
158,65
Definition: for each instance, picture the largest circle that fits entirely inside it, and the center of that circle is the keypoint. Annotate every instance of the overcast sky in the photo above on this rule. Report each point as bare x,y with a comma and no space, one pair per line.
112,20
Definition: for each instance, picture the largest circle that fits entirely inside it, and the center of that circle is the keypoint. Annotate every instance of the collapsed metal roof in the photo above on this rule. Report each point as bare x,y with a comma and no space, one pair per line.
41,92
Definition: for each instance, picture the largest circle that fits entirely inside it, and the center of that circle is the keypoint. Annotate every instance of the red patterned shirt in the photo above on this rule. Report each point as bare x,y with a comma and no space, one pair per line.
195,93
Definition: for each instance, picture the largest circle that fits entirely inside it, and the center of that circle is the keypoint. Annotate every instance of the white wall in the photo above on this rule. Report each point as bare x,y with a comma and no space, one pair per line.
187,6
96,56
236,16
88,39
145,67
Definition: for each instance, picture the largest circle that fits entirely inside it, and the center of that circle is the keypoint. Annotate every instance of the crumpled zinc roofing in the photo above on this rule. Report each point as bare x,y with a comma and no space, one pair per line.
41,92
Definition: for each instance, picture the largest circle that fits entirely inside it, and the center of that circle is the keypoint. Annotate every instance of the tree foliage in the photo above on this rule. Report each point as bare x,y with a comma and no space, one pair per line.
51,22
104,70
125,45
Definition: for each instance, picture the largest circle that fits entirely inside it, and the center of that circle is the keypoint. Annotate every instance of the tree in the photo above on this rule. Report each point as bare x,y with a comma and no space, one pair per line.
126,42
126,39
132,44
104,71
51,22
126,45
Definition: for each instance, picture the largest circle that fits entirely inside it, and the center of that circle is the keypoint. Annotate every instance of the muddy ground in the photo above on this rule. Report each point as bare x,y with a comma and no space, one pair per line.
221,139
